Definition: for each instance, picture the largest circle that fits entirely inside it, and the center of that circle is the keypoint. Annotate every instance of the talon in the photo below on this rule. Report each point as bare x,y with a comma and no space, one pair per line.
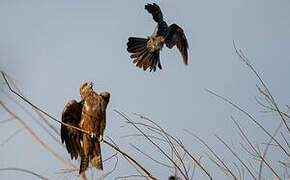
93,135
100,139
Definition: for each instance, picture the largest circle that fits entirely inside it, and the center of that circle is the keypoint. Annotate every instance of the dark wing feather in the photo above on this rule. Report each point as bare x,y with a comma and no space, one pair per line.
72,115
155,10
176,36
143,58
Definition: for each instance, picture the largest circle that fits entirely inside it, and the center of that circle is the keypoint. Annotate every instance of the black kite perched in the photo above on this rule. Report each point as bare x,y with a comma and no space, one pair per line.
90,115
145,52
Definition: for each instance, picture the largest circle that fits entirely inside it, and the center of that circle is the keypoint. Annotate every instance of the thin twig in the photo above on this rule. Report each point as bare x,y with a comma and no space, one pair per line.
254,149
37,138
130,176
236,157
40,110
68,125
6,120
24,170
114,168
253,119
268,145
130,162
218,158
285,140
11,136
35,119
269,95
223,169
238,169
180,145
133,160
148,156
161,150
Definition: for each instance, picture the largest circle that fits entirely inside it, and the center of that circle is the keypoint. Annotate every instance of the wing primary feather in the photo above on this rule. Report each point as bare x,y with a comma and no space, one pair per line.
72,115
155,10
176,36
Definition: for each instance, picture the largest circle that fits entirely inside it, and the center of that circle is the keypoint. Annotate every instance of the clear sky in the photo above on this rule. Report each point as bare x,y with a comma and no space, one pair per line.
52,47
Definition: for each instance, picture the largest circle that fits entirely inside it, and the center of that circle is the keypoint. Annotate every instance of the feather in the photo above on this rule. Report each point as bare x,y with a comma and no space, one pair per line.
71,115
90,115
84,164
176,36
96,161
155,10
135,45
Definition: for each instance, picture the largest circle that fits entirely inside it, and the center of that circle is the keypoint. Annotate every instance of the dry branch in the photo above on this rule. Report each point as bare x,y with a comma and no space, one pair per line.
65,124
266,93
24,170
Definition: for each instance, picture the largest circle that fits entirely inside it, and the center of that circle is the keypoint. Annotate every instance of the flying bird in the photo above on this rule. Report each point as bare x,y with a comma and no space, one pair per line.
88,114
145,51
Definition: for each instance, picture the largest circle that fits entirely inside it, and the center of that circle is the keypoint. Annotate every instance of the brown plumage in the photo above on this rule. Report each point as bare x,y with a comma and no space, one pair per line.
146,51
90,115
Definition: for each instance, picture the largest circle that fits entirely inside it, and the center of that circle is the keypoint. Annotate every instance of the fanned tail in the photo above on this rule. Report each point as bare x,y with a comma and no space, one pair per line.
135,44
142,57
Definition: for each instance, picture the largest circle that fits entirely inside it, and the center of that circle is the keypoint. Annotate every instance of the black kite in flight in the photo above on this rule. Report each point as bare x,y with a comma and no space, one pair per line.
145,52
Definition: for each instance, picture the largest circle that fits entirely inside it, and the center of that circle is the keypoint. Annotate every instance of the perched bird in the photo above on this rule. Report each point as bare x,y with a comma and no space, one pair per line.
145,51
90,115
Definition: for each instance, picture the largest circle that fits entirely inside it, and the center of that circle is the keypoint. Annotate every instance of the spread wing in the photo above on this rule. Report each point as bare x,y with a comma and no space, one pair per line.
176,36
72,115
155,10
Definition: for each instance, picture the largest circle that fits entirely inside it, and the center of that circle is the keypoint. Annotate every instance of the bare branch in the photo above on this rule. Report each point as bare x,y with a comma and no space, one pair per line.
125,117
235,154
6,120
40,110
114,168
255,150
11,136
37,138
285,140
68,125
127,156
207,146
25,171
252,118
148,156
130,176
180,145
267,92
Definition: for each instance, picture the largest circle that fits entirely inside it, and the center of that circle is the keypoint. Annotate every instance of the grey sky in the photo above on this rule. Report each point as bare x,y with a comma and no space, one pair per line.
52,47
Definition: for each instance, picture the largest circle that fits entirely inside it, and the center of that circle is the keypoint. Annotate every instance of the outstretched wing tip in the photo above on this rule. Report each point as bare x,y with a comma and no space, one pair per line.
176,36
155,10
185,62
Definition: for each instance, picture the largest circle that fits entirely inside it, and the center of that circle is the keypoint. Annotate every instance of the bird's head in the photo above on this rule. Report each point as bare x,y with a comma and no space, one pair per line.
86,87
106,96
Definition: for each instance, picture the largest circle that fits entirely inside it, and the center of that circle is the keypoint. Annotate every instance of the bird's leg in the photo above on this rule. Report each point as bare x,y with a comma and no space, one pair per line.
100,139
93,135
